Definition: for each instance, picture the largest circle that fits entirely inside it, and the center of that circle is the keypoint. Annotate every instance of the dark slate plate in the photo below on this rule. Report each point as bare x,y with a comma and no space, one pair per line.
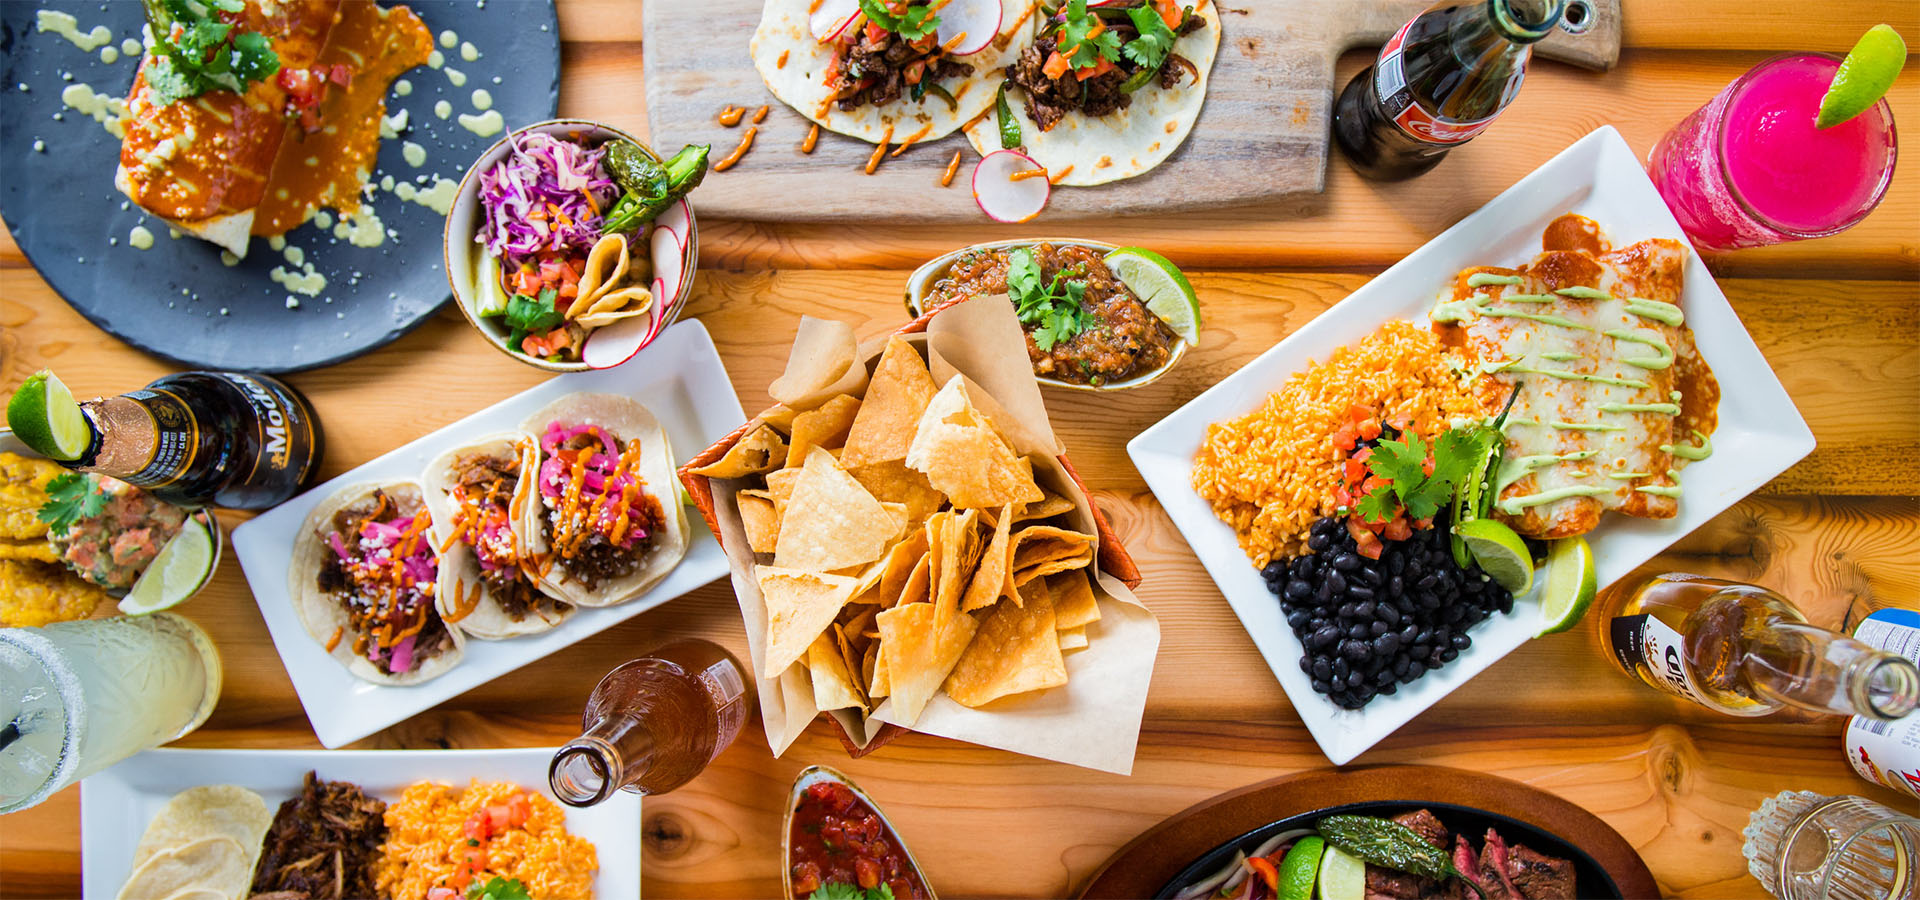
177,299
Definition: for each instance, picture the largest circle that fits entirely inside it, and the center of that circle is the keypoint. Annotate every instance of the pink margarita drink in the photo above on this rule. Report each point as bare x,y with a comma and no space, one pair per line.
1750,169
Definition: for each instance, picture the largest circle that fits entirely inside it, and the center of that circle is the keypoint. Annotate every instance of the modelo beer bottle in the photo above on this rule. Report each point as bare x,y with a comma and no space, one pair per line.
201,438
1438,82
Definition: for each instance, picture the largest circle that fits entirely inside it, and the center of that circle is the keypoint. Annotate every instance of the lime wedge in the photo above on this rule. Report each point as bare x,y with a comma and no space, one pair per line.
1160,285
42,413
1300,868
1500,552
1864,76
1569,587
1342,877
181,567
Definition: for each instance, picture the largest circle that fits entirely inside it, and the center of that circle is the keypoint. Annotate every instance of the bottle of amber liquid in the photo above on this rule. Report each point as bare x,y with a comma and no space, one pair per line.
653,724
1745,651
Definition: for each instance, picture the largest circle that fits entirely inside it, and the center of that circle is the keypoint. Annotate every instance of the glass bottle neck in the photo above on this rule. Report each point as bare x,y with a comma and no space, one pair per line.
617,752
1805,666
1524,21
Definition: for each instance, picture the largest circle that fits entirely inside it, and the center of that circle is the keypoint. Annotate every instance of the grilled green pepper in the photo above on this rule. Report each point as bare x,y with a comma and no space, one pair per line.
650,187
1383,842
1009,126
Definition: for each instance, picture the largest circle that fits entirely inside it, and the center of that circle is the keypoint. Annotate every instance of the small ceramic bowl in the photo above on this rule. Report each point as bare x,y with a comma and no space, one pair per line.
11,444
813,775
463,253
920,286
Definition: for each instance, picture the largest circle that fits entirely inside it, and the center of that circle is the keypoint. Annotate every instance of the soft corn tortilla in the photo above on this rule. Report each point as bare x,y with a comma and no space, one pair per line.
625,420
1129,142
801,83
460,566
321,613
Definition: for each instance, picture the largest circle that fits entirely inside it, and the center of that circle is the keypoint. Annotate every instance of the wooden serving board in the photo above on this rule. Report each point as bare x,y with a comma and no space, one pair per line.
1264,131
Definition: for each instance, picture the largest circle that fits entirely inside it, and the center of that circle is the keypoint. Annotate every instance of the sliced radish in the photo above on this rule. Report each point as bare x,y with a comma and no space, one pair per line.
980,19
677,218
660,312
669,263
611,345
831,18
1096,4
1001,197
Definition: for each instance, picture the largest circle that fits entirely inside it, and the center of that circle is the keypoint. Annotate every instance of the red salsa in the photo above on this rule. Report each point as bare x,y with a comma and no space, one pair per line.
839,839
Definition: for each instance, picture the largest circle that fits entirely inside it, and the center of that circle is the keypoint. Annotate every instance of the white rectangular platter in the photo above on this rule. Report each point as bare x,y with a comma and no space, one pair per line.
679,377
1759,435
117,804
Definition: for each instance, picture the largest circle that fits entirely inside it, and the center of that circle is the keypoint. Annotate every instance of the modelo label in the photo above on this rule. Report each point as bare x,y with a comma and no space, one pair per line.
1647,645
176,438
1888,753
1390,79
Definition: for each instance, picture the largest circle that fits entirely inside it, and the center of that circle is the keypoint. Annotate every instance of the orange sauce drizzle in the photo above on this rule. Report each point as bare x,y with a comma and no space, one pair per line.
813,137
953,168
924,129
731,115
886,137
746,143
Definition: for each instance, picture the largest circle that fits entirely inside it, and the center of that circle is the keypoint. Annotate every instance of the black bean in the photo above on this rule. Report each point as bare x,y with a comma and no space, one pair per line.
1355,678
1449,655
1303,567
1418,652
1324,637
1409,632
1377,628
1306,665
1371,577
1390,688
1349,610
1363,693
1337,582
1384,676
1462,642
1396,564
1346,562
1365,610
1390,614
1352,649
1396,586
1299,589
1340,669
1359,630
1318,542
1387,644
1298,618
1361,592
1320,686
1427,581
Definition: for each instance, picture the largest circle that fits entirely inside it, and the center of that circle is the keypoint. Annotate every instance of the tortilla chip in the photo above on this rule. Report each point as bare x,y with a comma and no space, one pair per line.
916,588
780,416
833,686
893,482
919,654
965,458
800,605
955,549
761,519
874,674
896,397
1044,550
1071,639
992,579
1074,604
780,484
824,362
757,452
831,522
823,427
901,559
1017,650
853,628
1049,506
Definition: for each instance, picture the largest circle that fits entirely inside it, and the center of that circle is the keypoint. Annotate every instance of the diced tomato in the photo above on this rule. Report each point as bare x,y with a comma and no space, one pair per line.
442,892
1357,528
1357,413
1102,67
1370,429
1427,466
1369,546
478,826
1345,438
866,872
498,818
914,71
1355,469
1341,496
1373,483
806,878
875,34
1056,65
296,82
1365,454
340,74
1397,530
1170,12
1423,524
1265,869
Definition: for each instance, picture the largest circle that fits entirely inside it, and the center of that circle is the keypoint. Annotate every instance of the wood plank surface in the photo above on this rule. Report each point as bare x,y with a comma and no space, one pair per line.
1839,319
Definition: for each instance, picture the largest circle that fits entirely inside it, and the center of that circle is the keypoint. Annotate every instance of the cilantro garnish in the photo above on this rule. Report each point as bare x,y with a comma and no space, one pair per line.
840,890
194,52
1056,308
499,889
1078,31
1150,49
71,497
1401,465
526,315
912,22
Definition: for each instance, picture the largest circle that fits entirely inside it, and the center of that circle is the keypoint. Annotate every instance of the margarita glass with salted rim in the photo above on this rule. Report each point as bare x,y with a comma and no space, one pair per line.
1750,169
77,697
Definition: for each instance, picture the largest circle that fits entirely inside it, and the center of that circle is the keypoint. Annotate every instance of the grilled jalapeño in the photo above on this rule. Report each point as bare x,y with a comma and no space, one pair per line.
195,438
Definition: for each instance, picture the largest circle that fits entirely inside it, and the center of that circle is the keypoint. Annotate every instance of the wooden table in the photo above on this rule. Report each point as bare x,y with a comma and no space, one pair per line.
1839,533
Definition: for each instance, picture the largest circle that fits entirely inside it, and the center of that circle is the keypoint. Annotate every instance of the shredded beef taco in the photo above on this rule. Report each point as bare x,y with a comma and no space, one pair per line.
363,579
899,77
486,585
602,521
1111,91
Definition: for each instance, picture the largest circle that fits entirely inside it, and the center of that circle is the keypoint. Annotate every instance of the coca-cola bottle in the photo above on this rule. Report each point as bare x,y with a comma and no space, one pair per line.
1438,82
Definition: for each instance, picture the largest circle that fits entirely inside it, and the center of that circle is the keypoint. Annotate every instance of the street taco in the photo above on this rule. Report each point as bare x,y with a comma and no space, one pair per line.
1106,93
476,494
363,578
602,522
889,71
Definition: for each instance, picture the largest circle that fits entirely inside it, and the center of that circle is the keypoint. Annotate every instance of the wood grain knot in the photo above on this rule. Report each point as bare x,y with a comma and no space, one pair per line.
666,835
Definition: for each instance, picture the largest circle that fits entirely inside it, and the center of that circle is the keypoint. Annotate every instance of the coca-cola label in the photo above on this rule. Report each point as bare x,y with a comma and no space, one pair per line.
1390,80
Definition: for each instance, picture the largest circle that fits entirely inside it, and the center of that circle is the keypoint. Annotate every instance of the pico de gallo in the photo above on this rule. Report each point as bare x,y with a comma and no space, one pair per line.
891,49
1093,59
839,849
381,569
600,517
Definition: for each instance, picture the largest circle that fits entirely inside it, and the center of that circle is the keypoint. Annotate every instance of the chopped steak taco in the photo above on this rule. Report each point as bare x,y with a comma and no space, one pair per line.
888,68
1111,91
602,521
363,579
477,496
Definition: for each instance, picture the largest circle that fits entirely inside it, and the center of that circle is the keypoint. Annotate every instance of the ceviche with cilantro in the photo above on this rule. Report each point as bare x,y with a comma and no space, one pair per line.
581,234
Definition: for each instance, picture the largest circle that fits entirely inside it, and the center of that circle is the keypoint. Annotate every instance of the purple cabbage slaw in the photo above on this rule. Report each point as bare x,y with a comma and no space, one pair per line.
546,194
418,571
602,477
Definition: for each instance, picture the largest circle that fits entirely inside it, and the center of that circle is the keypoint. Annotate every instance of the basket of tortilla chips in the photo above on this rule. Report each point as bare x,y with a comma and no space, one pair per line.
911,549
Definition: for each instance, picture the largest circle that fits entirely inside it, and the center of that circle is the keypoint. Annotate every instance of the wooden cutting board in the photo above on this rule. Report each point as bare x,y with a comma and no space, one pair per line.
1263,132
